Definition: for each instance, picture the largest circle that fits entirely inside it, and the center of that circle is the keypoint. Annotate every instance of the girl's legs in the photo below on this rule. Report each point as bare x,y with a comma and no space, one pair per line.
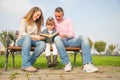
48,55
55,61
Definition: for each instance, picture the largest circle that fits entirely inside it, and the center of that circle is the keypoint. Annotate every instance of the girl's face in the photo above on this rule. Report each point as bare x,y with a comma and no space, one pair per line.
50,27
36,15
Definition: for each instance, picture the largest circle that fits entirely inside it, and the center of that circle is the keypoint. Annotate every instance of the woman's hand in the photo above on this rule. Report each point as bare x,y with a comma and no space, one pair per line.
37,37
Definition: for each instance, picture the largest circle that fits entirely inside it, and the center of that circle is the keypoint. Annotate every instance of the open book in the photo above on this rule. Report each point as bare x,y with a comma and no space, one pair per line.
49,37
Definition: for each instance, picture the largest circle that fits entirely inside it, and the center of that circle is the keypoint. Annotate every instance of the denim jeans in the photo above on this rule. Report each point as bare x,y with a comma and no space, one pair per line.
61,50
83,43
26,42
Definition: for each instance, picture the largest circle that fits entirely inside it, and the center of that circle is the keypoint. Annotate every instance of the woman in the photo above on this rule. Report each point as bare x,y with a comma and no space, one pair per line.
29,36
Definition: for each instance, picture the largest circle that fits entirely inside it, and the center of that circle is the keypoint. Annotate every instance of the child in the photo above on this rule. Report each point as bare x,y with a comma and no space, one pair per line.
50,30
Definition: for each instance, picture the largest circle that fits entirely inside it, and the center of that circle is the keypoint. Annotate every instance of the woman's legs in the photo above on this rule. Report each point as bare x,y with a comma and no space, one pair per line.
39,48
25,42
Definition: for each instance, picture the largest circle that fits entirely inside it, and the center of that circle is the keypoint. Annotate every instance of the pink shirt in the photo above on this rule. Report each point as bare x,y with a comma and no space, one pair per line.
65,27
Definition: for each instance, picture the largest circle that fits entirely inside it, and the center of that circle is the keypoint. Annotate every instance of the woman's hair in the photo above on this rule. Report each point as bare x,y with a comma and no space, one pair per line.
29,17
50,21
59,9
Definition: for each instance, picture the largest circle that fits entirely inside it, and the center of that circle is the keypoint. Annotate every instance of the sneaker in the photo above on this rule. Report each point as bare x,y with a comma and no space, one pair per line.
68,67
30,69
89,68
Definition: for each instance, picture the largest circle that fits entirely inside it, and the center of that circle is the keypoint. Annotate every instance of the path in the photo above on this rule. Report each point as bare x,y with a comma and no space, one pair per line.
105,73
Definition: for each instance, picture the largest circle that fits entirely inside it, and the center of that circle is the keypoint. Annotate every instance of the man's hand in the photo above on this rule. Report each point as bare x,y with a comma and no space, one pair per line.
63,35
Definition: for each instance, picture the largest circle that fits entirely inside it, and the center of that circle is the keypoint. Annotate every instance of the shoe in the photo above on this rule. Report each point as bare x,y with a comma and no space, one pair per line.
68,67
55,61
89,68
49,63
29,69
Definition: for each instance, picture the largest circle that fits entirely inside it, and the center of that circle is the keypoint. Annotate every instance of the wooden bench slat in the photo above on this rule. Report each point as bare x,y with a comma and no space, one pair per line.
18,48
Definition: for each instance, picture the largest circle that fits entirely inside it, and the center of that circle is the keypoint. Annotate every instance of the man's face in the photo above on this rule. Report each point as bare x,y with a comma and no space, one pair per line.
58,16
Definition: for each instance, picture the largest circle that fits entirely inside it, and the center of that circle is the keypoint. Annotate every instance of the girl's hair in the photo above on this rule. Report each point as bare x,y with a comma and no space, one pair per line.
50,21
39,21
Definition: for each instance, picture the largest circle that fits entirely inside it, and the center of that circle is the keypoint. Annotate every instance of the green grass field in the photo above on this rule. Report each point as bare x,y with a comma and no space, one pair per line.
41,61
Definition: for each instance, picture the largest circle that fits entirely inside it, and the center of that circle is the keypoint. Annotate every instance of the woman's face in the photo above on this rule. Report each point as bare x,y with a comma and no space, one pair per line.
36,15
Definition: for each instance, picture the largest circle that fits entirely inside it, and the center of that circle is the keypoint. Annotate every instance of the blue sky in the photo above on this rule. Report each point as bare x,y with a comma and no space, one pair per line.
96,19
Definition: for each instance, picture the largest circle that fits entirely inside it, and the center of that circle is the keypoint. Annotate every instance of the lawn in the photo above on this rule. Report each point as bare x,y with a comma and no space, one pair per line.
41,61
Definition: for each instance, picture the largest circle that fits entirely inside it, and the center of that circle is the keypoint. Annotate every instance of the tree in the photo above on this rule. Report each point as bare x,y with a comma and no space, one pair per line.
3,36
90,42
112,47
100,46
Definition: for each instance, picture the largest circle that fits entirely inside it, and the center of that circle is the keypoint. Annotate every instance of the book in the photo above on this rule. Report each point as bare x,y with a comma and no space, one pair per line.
49,37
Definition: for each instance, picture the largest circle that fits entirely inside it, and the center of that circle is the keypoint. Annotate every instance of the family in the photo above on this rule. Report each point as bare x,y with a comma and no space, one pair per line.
30,29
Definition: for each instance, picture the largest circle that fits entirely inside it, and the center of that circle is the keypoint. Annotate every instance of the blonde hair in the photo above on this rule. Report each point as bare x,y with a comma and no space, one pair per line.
50,21
39,21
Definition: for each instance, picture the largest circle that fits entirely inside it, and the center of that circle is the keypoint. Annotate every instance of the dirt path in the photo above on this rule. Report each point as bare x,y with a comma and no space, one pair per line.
104,73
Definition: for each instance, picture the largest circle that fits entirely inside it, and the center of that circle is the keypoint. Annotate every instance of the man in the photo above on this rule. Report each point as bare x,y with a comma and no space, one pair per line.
66,32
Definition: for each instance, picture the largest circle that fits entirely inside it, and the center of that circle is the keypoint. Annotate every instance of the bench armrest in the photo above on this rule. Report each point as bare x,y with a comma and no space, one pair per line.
9,39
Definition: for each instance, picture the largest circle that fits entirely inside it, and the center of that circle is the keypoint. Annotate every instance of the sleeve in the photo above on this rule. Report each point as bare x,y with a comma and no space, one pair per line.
71,32
23,28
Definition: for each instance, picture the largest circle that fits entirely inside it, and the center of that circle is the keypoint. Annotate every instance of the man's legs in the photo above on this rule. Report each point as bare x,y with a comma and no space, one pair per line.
63,54
61,49
83,43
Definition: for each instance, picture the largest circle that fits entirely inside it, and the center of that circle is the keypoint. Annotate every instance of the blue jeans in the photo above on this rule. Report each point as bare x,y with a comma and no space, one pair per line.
61,50
83,43
26,42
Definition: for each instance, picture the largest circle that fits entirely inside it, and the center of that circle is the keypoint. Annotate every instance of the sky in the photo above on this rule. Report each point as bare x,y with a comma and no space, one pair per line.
96,19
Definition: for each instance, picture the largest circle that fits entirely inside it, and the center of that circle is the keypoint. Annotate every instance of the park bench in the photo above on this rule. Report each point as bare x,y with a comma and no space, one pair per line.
12,49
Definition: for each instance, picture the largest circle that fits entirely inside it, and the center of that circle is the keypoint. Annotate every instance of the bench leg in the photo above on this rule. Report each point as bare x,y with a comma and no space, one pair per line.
75,53
13,61
6,59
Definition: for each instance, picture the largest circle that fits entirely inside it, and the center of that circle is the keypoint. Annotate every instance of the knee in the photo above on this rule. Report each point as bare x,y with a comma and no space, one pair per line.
27,39
57,39
84,39
41,44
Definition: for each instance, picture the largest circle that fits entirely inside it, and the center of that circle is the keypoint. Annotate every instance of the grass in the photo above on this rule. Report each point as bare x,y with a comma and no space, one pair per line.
41,61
